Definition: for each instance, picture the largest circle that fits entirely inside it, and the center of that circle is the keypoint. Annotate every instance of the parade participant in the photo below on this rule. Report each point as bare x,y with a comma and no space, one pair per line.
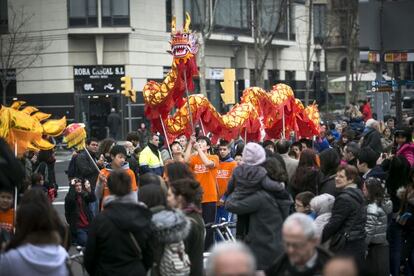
118,156
378,208
182,139
224,172
150,157
230,258
301,255
186,195
35,248
204,167
77,211
118,238
346,227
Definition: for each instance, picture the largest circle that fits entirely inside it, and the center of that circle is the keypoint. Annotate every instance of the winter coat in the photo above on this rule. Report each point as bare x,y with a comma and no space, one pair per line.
376,226
34,260
110,249
327,185
407,150
85,169
348,215
372,139
283,267
376,172
266,216
194,243
168,226
72,208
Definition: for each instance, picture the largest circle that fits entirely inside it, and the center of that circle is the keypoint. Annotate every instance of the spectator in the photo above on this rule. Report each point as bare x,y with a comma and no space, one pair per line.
322,205
268,144
308,175
77,211
114,123
230,258
371,136
404,144
387,140
365,108
7,214
34,249
329,160
351,151
38,182
131,158
377,259
367,164
264,213
341,266
118,238
133,137
186,195
46,167
346,228
150,157
302,203
204,167
144,135
178,170
295,150
282,147
104,149
118,155
302,256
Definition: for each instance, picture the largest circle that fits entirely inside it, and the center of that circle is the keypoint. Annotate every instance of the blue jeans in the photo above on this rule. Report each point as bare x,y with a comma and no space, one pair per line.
81,236
93,207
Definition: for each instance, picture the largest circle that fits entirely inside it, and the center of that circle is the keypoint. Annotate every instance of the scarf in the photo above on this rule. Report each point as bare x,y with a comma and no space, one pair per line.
154,150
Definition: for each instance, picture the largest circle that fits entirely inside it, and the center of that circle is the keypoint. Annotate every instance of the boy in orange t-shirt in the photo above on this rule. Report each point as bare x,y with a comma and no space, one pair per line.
224,173
6,215
118,156
204,167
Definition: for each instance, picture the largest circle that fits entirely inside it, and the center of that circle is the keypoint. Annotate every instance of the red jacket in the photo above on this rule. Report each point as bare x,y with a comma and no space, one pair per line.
366,111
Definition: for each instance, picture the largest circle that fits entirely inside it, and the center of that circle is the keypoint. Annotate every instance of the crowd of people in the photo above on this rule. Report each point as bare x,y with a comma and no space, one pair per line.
339,204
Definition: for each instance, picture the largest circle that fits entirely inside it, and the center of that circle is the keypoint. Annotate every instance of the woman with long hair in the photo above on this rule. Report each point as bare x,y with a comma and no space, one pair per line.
178,170
308,174
330,161
35,248
186,194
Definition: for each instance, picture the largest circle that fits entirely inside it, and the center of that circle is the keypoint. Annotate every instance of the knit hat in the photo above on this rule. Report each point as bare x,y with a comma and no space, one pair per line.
253,154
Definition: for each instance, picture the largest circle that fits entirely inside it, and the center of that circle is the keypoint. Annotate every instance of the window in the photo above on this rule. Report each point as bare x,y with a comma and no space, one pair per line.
274,77
270,17
342,66
168,6
82,13
292,25
319,22
232,16
115,13
3,17
290,79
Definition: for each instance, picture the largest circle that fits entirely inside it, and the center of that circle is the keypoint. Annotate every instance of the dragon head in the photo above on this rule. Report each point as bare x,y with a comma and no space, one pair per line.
184,43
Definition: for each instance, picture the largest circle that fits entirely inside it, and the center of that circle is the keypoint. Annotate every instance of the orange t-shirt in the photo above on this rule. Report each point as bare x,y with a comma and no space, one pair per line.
224,173
131,175
6,219
206,176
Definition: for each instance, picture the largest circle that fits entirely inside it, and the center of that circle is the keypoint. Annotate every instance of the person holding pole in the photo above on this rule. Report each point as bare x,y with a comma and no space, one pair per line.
204,167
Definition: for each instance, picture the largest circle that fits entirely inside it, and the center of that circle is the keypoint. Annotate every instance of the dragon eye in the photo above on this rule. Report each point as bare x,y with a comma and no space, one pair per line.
185,35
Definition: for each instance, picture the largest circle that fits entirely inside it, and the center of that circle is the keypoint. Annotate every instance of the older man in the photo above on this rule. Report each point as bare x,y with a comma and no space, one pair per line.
371,136
150,157
282,147
230,259
302,256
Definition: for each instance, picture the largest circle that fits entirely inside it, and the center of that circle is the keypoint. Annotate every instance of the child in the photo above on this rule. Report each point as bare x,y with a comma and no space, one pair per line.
38,182
6,216
322,205
376,227
302,203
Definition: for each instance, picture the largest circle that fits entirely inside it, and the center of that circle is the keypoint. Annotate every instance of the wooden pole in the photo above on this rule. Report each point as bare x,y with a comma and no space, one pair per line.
166,137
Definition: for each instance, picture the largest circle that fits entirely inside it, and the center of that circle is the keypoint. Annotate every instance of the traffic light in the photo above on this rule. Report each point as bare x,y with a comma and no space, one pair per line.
133,95
126,85
228,86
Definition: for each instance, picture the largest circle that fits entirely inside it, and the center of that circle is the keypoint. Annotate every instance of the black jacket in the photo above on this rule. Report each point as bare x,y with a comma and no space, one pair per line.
194,243
376,172
372,139
348,214
72,208
327,185
282,266
85,169
110,249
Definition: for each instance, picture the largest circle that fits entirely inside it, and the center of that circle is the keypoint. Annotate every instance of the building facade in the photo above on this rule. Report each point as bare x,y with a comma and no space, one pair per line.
90,44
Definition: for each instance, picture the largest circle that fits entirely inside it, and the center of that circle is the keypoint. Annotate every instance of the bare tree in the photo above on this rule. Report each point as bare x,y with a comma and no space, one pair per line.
264,32
308,50
18,50
206,10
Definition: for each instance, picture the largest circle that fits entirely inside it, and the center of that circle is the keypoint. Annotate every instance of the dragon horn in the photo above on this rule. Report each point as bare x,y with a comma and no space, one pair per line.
173,25
187,23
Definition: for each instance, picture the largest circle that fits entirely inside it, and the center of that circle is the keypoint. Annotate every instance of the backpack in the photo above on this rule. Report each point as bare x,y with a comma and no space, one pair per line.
72,170
175,260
